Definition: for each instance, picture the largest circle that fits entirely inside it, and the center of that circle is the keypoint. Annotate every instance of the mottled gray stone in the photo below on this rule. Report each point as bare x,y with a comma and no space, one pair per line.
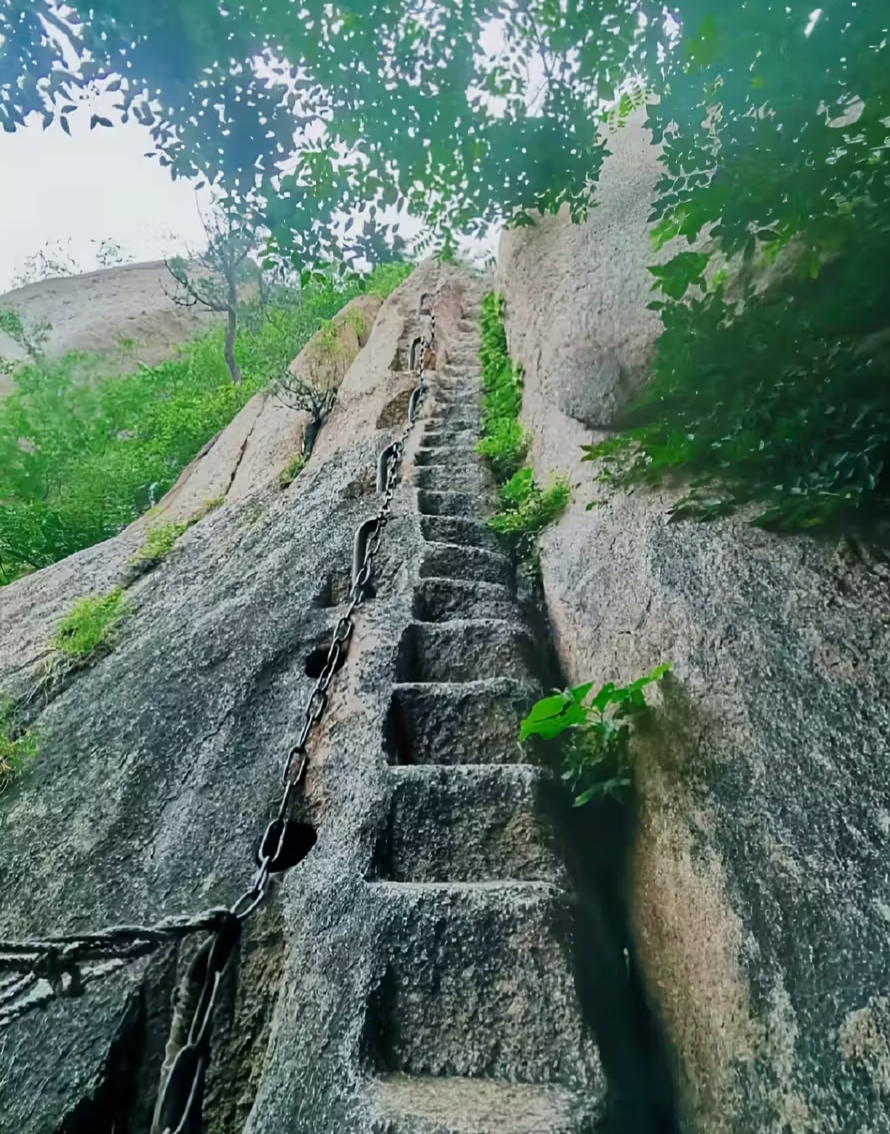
760,866
389,954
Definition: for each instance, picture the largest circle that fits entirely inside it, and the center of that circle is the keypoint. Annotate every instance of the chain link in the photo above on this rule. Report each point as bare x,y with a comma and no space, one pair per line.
53,959
187,1070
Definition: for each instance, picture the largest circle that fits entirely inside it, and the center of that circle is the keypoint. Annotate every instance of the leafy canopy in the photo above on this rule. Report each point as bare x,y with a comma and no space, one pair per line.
331,109
774,119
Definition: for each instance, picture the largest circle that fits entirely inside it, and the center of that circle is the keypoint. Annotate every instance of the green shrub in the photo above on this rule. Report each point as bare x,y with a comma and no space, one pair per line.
526,507
292,470
81,459
594,755
777,404
90,625
504,441
16,747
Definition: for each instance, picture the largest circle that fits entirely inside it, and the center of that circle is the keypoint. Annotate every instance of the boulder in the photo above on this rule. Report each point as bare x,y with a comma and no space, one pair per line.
758,870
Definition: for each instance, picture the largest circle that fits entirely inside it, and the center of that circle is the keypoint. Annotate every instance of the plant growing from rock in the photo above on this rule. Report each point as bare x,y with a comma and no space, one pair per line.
526,507
291,471
160,539
90,626
313,398
504,441
17,746
595,732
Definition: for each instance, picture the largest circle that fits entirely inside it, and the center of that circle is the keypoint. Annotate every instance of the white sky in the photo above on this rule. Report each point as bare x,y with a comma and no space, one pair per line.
65,195
96,185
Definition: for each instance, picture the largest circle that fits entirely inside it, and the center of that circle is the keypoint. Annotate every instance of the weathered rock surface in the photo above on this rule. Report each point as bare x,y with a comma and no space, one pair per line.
760,873
406,978
98,311
268,432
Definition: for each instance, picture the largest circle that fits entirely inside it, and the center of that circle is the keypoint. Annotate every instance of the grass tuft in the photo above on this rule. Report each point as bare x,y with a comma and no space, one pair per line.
17,747
90,625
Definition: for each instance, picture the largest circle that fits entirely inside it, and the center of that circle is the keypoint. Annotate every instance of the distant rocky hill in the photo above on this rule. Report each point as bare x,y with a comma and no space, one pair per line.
98,311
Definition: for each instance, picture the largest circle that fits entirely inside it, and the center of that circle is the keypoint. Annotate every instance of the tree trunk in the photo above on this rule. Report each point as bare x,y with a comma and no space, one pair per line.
311,435
234,369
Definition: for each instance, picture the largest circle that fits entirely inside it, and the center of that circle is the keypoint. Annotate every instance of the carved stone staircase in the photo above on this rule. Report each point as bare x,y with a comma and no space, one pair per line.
476,1027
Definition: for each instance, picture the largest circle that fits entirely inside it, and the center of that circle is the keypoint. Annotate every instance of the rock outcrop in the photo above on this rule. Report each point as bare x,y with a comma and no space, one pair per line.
436,964
124,313
268,432
759,871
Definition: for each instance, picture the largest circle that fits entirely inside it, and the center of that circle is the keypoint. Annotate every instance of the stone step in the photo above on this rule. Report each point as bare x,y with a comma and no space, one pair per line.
455,455
457,561
427,1104
470,650
475,722
478,980
451,437
466,476
470,428
455,418
444,600
450,414
467,390
461,504
469,823
454,529
445,414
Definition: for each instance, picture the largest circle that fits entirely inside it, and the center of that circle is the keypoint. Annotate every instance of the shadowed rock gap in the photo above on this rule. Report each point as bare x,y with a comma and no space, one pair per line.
110,1108
597,840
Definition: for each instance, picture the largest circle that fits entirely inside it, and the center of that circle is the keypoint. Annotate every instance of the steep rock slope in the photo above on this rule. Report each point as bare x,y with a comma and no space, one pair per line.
415,973
97,311
760,884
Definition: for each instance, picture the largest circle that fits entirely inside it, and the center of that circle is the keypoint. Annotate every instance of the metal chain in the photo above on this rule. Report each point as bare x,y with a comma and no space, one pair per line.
53,959
184,1068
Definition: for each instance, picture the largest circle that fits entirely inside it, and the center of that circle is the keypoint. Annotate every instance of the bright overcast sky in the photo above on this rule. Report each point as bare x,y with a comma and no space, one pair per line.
65,195
57,191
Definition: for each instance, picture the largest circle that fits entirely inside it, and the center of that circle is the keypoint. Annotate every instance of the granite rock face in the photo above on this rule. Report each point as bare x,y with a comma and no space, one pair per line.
759,870
419,971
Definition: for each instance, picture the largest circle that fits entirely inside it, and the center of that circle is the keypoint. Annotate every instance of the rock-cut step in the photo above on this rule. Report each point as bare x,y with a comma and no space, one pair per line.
473,722
466,650
448,600
457,561
457,530
457,420
460,476
468,505
478,981
469,823
426,1104
456,439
